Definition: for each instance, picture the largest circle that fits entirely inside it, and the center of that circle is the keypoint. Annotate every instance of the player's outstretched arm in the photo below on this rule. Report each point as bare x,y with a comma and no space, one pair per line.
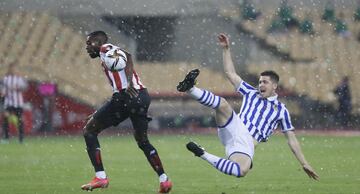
228,64
296,149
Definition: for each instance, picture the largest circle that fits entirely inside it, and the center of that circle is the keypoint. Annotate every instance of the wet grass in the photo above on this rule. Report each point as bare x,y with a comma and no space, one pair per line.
59,165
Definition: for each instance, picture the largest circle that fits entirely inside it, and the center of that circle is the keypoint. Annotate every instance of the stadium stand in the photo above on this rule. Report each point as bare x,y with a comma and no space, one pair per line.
49,49
332,56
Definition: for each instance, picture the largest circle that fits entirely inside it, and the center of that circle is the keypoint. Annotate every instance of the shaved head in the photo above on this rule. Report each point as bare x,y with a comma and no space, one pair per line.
99,36
94,41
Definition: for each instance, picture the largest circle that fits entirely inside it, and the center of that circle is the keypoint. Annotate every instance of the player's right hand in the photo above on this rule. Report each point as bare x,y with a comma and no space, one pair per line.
223,40
132,91
310,172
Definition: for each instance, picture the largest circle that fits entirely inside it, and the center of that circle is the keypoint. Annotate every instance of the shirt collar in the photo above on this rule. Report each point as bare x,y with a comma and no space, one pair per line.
271,98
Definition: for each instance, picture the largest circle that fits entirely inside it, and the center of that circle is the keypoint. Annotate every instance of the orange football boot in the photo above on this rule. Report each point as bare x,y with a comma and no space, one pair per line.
96,183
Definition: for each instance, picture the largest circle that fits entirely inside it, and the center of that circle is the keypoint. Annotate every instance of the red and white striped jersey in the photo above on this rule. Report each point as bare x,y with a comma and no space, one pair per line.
12,90
113,61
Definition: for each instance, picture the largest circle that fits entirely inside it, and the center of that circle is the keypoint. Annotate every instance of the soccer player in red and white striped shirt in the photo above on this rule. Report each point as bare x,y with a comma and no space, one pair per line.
130,100
12,92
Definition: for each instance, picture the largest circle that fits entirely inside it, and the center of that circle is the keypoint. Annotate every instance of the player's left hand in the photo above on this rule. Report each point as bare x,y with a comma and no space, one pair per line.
223,40
310,172
132,91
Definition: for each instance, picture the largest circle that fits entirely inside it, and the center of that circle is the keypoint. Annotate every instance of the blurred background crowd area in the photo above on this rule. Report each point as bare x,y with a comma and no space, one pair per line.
313,45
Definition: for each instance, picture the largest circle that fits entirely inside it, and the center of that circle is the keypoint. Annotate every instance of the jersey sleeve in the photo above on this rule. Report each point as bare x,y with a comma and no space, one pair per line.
285,122
244,88
114,59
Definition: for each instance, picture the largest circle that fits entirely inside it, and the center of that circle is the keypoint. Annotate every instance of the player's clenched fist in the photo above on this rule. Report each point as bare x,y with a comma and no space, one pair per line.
223,40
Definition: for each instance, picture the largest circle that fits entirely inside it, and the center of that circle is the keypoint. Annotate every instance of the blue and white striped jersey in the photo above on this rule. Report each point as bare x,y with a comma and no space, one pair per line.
260,115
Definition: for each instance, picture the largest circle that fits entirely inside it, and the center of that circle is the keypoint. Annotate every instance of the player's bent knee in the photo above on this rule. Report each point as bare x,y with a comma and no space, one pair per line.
90,129
92,126
243,161
87,130
145,145
224,106
89,134
223,103
244,171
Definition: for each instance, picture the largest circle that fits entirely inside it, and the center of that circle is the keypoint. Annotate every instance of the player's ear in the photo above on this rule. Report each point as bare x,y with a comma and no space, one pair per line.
275,85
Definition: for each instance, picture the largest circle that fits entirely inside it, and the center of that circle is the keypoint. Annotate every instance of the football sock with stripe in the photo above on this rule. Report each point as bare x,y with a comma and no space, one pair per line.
223,165
205,97
93,150
152,156
6,128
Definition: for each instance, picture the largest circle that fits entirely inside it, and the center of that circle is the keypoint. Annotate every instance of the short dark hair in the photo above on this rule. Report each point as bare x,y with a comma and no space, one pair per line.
101,35
272,74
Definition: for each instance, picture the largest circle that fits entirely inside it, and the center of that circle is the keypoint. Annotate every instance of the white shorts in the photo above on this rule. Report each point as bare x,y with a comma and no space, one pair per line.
236,138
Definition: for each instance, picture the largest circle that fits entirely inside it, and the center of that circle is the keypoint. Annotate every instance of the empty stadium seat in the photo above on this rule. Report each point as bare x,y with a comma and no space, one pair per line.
50,50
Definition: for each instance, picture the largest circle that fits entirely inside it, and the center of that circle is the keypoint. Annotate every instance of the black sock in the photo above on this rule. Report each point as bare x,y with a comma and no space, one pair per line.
21,131
93,150
6,128
152,156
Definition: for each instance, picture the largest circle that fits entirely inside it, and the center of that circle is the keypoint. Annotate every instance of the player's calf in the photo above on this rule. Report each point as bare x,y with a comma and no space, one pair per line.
223,165
205,97
152,156
155,162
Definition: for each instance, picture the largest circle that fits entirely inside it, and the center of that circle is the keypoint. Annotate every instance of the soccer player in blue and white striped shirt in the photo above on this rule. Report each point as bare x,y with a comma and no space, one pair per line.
261,113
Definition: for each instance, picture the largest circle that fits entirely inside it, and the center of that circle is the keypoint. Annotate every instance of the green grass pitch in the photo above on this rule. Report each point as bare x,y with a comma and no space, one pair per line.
60,165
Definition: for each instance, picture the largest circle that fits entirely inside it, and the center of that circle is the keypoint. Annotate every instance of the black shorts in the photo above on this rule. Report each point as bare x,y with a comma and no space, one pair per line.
12,109
122,106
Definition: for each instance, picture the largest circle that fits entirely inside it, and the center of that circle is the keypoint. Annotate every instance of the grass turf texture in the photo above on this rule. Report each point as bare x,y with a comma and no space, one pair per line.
60,165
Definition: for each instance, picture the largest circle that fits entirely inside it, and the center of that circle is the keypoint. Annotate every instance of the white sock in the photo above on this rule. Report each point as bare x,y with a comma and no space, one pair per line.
100,174
212,159
163,178
223,165
195,92
205,97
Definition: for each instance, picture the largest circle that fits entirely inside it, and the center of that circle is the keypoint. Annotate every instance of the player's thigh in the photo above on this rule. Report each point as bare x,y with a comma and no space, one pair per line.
140,104
236,138
223,113
92,126
138,108
110,114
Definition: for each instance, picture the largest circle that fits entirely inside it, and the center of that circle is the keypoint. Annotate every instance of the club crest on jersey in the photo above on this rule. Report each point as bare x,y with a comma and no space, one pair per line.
275,107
